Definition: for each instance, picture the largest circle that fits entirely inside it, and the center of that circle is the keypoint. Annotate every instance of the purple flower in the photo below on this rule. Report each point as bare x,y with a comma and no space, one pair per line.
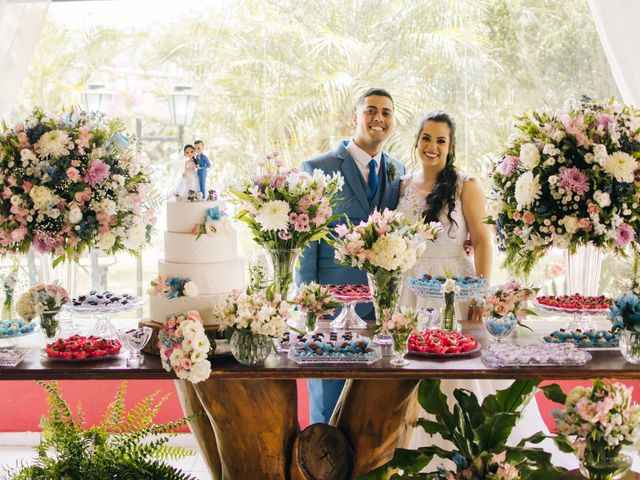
508,165
43,243
98,171
575,180
624,235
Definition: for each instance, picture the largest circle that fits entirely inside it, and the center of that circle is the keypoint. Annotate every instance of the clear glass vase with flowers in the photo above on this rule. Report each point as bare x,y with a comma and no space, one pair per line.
314,301
400,326
625,315
44,301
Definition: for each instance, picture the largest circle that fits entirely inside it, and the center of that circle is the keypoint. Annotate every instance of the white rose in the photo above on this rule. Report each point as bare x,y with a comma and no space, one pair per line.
16,200
106,206
529,155
135,236
75,215
106,240
602,198
189,330
53,213
41,197
200,372
190,289
570,223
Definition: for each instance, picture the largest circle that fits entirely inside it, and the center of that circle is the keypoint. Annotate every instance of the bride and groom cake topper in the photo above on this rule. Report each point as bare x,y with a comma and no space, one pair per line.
192,185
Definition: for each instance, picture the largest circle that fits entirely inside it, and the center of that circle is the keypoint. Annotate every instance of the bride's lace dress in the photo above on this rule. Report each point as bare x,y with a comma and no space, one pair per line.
447,253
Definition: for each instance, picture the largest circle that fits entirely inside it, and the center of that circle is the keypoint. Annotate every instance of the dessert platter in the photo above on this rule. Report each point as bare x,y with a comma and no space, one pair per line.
590,339
350,296
346,347
11,357
430,286
11,330
441,344
80,348
580,308
103,304
535,355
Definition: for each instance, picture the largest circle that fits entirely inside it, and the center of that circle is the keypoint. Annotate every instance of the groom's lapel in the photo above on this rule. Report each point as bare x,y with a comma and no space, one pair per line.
353,178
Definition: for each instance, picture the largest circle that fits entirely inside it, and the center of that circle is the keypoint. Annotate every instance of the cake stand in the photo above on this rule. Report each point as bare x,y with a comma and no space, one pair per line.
103,327
348,319
580,317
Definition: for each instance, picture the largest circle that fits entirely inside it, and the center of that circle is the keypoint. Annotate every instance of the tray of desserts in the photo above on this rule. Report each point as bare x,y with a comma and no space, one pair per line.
15,328
104,302
351,293
588,340
573,304
430,286
345,347
11,357
535,355
441,344
78,348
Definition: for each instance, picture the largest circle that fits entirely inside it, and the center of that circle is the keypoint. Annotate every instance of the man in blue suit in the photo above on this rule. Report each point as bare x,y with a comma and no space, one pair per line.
203,165
371,180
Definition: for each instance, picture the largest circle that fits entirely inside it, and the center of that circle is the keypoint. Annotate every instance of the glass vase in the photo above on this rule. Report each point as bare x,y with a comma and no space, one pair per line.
597,467
385,289
400,348
448,321
500,327
310,322
50,326
583,277
281,264
250,349
630,346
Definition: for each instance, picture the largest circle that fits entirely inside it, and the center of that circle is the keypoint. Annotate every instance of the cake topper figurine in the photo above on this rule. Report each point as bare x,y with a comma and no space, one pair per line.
202,161
212,196
188,182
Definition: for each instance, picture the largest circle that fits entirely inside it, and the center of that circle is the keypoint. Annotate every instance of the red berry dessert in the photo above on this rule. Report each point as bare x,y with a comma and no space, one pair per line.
575,302
439,342
350,292
78,347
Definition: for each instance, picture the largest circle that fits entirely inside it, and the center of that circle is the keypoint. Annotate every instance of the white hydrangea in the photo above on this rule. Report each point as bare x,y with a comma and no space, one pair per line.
393,252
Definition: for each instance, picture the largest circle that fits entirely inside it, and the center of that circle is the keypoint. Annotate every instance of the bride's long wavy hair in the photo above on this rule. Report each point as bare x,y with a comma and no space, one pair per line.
443,193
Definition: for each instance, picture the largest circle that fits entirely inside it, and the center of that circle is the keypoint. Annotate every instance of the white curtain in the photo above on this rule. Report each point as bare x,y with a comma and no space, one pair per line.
21,23
617,22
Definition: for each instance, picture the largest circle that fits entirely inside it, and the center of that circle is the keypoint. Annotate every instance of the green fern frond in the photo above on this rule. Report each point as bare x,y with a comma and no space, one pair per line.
171,453
143,413
114,416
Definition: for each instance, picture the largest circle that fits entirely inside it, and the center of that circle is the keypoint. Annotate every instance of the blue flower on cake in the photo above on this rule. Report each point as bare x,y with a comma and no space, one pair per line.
173,287
215,220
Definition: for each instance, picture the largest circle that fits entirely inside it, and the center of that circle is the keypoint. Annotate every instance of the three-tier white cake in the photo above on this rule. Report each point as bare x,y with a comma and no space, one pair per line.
211,261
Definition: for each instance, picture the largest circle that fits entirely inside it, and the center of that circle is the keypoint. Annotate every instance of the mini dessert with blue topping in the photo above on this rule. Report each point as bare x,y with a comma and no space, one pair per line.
14,327
343,347
584,339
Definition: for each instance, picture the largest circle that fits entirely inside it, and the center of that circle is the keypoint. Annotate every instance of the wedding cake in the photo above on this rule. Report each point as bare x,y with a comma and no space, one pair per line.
201,263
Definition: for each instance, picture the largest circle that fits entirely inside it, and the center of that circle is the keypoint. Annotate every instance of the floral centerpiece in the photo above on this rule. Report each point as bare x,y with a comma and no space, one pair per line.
44,301
450,289
400,326
385,246
185,347
506,307
173,287
253,320
286,209
69,182
603,419
568,180
315,301
625,315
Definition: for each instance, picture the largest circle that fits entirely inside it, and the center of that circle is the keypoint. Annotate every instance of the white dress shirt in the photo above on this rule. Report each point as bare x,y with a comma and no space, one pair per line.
362,160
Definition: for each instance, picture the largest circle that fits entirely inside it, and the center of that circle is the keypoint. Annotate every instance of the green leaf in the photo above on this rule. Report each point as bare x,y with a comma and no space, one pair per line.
410,461
493,434
554,393
510,399
564,444
432,428
469,403
434,401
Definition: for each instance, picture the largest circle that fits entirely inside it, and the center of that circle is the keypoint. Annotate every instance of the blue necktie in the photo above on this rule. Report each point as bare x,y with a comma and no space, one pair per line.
373,179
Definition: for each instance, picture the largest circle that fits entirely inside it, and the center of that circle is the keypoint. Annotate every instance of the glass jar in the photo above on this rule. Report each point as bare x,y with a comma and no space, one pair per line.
630,346
597,467
50,326
250,349
400,348
500,327
281,263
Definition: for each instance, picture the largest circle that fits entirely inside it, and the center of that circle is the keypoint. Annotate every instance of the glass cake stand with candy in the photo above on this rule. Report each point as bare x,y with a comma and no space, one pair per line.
580,307
350,296
103,304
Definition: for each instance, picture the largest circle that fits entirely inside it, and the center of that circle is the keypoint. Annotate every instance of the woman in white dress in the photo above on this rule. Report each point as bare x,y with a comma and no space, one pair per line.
438,192
189,179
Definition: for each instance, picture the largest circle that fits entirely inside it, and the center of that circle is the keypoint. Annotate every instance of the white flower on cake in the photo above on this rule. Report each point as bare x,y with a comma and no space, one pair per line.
274,215
620,165
527,190
529,155
190,289
41,197
53,144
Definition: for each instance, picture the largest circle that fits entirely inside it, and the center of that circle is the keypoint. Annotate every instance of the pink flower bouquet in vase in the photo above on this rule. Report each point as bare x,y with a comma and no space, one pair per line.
44,301
314,301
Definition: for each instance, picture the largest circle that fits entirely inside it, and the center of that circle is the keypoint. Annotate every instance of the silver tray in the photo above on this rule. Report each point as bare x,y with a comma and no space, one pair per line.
136,302
445,355
315,359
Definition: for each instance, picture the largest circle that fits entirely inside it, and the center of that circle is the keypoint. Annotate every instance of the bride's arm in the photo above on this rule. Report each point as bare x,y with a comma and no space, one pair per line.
475,212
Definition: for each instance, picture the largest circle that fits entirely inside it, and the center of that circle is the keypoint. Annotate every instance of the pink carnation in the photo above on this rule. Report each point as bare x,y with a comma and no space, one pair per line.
575,180
97,172
528,218
73,174
624,235
509,165
44,243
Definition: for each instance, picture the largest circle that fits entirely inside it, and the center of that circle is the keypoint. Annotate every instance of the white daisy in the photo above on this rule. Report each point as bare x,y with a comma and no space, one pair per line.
53,144
527,190
274,215
621,166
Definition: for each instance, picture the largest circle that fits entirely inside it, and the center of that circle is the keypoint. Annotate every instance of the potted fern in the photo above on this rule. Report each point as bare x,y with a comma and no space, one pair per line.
125,445
479,433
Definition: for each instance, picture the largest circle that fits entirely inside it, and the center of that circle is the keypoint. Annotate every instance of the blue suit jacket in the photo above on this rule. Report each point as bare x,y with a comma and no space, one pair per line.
203,161
318,262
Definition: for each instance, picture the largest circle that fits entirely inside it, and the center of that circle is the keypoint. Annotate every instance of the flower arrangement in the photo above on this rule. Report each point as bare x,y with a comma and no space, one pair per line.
403,321
625,313
478,434
215,220
41,299
450,289
173,287
185,347
315,301
602,418
264,312
510,298
286,209
69,182
566,180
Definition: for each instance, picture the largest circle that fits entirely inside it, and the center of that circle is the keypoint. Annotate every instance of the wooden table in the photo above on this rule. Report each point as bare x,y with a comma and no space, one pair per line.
251,428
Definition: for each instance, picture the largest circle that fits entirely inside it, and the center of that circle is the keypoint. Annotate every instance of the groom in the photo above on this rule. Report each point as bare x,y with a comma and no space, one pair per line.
372,180
203,164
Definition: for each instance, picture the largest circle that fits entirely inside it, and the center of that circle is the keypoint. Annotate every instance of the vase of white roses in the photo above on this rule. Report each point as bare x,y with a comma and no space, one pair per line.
385,246
285,209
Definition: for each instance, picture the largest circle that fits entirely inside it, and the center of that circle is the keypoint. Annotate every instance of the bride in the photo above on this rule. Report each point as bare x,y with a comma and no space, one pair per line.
438,192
